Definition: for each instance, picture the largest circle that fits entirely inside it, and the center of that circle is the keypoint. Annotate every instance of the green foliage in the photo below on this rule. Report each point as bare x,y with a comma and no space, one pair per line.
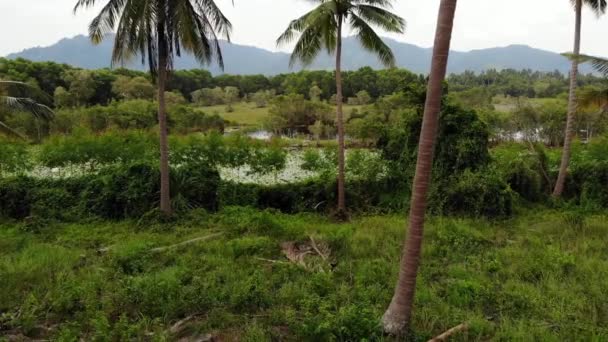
14,157
525,169
91,151
115,192
479,193
293,113
588,176
136,88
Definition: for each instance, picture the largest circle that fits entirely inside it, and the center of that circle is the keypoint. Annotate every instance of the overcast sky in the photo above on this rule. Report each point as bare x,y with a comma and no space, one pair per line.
546,24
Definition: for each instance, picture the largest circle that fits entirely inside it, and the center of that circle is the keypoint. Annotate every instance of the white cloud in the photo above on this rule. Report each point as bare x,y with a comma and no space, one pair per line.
546,24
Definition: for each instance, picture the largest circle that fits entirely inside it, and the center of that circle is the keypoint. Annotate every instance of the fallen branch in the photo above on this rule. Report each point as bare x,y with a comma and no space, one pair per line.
272,261
179,325
447,334
202,238
314,246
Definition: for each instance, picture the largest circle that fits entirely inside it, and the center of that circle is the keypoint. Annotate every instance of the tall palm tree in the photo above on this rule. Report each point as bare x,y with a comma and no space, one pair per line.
397,316
158,30
593,97
322,27
18,96
599,7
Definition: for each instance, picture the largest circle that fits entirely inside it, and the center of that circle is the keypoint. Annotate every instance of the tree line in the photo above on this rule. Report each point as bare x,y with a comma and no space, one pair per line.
73,87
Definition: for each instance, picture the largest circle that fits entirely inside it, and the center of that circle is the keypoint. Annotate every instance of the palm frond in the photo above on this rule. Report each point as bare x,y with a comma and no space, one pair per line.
307,47
371,41
597,6
105,21
21,89
10,132
380,17
593,97
38,110
598,63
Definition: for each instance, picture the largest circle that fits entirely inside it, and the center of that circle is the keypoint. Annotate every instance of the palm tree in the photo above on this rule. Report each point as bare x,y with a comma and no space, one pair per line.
322,27
599,7
17,96
597,97
593,97
397,316
158,30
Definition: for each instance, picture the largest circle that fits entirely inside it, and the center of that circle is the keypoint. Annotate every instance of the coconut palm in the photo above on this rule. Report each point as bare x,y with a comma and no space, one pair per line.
322,28
157,31
593,97
397,316
17,96
599,7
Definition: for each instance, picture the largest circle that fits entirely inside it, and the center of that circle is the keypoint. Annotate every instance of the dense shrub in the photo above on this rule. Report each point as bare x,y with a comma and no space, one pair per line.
481,193
14,156
314,195
88,150
15,197
525,169
117,192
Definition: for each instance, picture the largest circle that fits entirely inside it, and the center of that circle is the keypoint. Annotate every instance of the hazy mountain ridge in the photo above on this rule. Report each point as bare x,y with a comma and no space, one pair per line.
241,59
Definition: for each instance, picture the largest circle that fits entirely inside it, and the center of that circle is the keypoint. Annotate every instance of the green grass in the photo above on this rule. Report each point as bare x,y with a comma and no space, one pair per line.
247,114
243,114
509,104
541,277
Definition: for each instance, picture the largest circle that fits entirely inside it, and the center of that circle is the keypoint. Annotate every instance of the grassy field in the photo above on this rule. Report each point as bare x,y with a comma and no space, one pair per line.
539,277
509,104
247,114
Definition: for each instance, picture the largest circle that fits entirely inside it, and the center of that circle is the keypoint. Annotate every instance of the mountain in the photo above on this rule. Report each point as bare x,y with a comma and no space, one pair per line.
241,59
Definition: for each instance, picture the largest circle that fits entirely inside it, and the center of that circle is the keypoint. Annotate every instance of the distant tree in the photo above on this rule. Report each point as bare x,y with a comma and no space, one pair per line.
599,7
314,94
363,97
293,113
63,98
209,96
322,28
262,97
174,98
159,30
133,88
231,96
82,86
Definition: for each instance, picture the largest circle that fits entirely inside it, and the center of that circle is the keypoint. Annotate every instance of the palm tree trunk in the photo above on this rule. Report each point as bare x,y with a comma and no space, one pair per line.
397,317
165,195
340,122
572,106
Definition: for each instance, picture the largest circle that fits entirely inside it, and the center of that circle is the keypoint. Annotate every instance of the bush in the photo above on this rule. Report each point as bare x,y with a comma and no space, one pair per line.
15,197
523,170
481,193
117,192
14,156
88,150
587,182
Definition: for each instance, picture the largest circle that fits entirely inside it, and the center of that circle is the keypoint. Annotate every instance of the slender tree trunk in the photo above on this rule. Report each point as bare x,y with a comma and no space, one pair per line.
340,122
397,317
572,106
165,195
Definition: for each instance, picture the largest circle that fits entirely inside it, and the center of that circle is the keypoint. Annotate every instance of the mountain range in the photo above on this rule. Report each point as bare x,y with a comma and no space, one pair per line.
241,59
